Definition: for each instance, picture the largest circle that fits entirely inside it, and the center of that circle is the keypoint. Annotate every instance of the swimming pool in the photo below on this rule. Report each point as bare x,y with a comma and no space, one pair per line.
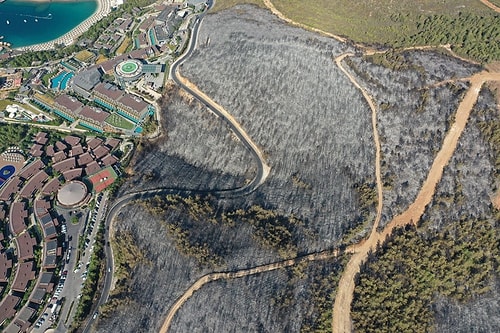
64,82
5,173
56,80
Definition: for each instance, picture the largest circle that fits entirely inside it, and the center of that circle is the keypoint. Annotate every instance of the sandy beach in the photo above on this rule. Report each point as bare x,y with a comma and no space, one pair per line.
103,8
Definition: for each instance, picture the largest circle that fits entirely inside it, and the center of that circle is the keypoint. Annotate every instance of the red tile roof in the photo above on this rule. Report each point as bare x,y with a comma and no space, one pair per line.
77,150
68,102
112,143
84,159
65,165
7,307
110,91
59,156
31,169
34,184
13,185
5,265
17,217
24,244
51,187
60,145
50,151
72,174
25,273
100,151
92,168
95,114
109,160
94,142
72,140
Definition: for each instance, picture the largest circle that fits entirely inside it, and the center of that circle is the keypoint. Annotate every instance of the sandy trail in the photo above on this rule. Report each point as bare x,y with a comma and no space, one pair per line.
238,274
230,118
490,5
341,312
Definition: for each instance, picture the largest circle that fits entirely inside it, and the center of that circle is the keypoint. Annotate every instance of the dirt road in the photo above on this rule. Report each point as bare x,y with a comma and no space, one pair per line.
490,5
341,322
266,168
238,274
340,311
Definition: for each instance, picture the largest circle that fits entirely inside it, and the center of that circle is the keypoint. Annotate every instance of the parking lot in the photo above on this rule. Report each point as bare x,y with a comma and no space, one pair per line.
67,291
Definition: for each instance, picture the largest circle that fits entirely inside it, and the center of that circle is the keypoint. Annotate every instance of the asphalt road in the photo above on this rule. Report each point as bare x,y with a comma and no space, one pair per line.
126,199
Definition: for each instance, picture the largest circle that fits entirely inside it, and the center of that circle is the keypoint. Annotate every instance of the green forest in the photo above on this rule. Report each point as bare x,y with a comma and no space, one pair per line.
396,288
470,35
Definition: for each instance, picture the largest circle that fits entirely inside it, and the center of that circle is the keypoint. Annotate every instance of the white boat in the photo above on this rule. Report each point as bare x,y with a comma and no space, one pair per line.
25,21
8,22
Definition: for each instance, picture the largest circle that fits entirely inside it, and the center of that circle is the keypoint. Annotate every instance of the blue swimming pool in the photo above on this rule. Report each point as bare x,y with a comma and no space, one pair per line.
6,172
56,80
64,82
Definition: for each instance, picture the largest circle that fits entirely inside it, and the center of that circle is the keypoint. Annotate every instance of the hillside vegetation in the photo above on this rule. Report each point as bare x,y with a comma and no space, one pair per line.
471,27
443,275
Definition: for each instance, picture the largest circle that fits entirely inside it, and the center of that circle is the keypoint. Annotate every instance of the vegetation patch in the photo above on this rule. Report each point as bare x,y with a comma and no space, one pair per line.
124,45
84,55
470,26
225,4
16,135
270,229
118,121
396,287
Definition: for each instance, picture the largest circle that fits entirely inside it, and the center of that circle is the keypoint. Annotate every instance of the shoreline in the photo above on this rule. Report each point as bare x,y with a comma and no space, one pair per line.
102,10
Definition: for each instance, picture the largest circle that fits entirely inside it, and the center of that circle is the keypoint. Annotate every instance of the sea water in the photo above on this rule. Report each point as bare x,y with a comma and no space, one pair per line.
24,23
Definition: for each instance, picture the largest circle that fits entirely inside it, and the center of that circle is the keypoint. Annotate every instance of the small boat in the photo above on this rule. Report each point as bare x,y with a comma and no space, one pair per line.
8,22
36,20
25,21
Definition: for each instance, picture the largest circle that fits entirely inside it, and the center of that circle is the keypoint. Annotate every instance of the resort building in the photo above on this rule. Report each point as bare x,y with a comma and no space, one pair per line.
67,107
129,106
24,275
93,118
17,217
24,245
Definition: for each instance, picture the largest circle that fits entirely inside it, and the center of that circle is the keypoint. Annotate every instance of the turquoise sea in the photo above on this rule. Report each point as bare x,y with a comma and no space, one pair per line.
24,23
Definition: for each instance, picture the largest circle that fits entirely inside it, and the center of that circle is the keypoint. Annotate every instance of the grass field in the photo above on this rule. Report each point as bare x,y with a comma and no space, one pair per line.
84,56
400,24
225,4
5,102
120,122
378,21
123,47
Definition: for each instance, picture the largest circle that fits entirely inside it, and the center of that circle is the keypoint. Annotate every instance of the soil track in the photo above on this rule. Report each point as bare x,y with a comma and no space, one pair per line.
238,274
341,312
490,5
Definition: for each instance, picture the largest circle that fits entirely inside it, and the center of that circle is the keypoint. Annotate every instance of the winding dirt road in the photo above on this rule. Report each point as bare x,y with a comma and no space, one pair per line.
238,274
341,312
236,125
341,322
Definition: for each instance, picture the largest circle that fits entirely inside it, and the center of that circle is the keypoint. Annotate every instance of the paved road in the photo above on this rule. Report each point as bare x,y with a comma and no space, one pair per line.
262,170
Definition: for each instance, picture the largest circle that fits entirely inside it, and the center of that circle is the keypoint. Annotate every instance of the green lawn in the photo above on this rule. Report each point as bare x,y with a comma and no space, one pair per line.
120,122
5,102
